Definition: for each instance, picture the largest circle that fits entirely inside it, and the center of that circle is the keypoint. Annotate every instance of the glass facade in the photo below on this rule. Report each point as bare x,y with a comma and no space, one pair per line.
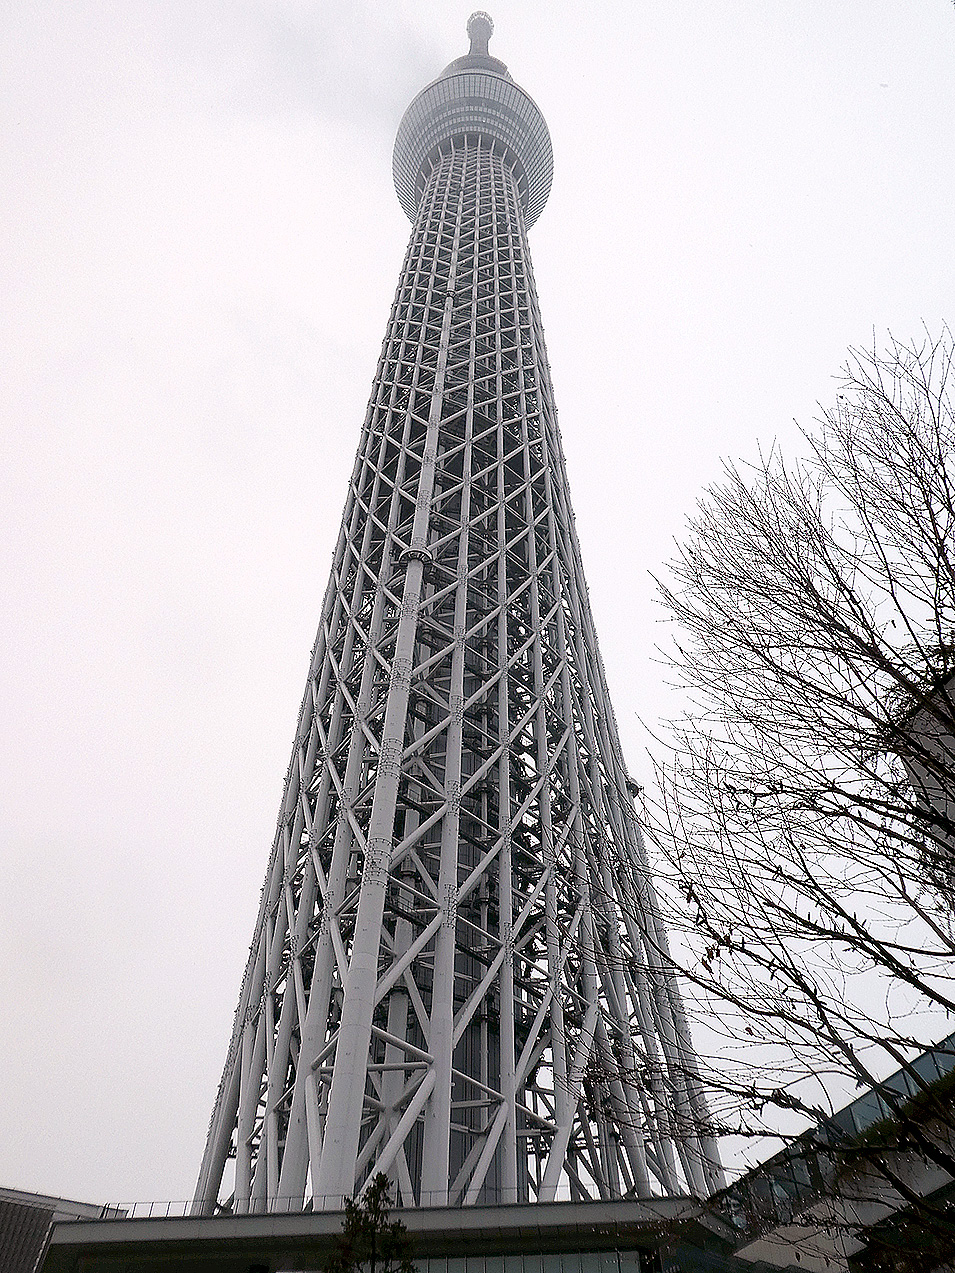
786,1183
555,1262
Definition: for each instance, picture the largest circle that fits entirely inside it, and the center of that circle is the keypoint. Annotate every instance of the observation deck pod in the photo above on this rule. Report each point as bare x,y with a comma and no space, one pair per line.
474,96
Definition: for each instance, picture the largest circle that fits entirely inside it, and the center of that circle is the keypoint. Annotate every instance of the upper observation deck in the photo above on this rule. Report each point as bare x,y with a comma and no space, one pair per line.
475,96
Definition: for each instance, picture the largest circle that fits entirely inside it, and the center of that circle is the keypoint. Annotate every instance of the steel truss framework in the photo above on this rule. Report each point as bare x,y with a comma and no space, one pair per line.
458,973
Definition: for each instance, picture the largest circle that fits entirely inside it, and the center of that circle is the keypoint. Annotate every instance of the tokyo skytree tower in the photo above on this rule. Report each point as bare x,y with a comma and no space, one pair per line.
458,974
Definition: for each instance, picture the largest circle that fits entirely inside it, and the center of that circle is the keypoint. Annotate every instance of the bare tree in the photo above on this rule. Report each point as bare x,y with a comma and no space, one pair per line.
808,808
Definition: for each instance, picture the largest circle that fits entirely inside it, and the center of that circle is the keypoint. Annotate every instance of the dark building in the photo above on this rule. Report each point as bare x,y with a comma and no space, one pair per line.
26,1223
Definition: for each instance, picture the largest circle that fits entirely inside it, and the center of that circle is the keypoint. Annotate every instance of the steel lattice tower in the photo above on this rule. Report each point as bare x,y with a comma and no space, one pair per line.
458,972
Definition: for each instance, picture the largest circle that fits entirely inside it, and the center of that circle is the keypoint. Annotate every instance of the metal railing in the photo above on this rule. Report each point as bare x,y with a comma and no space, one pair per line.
297,1205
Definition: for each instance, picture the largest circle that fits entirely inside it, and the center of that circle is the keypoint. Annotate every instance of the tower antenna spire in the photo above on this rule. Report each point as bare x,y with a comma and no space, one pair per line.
480,30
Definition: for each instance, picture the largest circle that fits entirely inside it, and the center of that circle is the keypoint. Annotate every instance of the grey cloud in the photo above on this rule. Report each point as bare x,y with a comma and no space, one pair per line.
353,62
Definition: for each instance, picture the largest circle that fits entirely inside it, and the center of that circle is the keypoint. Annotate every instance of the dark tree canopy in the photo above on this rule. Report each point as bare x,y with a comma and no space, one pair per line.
369,1239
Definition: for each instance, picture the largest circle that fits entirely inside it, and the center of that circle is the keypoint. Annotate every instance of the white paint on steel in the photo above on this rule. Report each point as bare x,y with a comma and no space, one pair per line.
459,974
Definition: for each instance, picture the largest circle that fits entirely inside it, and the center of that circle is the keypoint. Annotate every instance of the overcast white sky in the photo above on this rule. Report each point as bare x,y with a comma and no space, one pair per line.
201,243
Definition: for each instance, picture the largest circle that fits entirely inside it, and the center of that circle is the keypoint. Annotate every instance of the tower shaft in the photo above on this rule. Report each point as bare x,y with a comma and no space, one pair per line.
458,974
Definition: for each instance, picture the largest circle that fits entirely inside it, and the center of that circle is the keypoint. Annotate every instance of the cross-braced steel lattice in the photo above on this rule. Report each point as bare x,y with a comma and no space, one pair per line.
458,975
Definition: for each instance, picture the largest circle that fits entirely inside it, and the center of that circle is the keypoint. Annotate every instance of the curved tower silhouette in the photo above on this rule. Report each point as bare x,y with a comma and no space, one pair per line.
458,974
